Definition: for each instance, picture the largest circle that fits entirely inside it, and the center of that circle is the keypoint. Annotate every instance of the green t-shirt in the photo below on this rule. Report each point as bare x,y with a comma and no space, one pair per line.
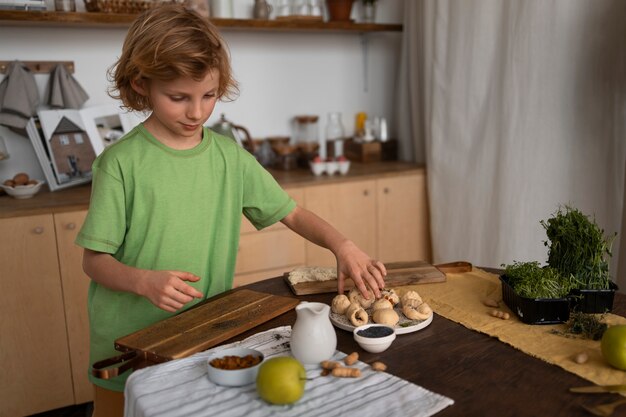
153,207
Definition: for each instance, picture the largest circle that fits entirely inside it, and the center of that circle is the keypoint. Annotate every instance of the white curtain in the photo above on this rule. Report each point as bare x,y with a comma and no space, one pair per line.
515,107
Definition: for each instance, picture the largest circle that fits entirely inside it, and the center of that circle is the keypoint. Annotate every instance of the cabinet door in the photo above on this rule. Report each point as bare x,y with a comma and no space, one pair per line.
403,221
269,250
36,373
75,287
349,207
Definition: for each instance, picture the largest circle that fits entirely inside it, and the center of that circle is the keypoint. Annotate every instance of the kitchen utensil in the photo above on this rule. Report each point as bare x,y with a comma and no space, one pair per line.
313,337
604,410
598,389
261,10
398,274
197,329
236,132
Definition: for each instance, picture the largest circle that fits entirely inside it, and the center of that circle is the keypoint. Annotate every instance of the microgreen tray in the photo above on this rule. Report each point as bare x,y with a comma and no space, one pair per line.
535,310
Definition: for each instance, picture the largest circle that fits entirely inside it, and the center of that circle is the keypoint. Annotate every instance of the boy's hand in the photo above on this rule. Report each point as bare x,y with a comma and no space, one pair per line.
353,263
168,290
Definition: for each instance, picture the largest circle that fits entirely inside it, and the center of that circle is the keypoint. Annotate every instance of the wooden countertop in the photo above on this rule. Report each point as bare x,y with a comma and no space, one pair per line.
77,198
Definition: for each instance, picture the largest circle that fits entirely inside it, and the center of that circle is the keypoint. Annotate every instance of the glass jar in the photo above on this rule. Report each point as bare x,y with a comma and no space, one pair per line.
65,5
307,136
335,134
306,129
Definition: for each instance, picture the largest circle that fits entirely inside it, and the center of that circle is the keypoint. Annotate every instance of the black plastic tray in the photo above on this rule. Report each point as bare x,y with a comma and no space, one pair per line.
535,310
593,301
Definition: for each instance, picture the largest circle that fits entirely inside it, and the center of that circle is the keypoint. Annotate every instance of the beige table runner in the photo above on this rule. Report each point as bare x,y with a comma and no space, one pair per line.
460,299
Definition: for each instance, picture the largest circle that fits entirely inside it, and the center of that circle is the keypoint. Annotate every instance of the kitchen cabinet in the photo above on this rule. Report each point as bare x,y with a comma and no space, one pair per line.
403,221
387,218
349,207
34,357
75,286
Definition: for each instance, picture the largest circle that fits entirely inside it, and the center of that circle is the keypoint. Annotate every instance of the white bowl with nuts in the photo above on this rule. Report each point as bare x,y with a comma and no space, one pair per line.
21,186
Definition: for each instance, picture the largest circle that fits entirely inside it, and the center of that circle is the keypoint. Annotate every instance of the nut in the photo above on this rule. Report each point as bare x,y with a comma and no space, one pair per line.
21,178
581,358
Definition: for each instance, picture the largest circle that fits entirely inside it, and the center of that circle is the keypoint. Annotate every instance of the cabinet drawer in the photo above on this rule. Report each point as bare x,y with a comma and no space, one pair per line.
269,250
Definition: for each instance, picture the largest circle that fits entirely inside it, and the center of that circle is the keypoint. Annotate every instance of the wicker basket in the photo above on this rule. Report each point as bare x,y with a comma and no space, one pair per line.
125,6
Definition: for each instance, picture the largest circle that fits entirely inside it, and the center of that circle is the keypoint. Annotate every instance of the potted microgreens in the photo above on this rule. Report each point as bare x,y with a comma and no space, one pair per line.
576,276
580,251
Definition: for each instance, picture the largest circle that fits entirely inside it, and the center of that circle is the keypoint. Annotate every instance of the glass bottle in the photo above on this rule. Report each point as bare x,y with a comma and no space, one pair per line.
335,135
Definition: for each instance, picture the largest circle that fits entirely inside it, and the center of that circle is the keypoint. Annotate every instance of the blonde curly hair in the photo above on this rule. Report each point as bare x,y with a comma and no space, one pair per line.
166,43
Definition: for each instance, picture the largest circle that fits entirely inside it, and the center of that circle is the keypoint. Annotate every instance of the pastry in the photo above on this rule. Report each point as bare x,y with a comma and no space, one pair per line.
357,315
340,304
390,295
386,316
355,296
414,311
381,304
410,295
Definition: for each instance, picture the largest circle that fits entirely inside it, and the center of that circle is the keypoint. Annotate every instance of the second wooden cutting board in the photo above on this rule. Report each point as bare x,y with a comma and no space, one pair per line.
398,274
197,329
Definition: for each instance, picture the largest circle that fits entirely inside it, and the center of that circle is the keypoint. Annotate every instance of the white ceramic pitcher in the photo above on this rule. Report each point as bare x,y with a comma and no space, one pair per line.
313,337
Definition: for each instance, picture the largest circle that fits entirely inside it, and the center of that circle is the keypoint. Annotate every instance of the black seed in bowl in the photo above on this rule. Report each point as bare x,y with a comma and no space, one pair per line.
375,331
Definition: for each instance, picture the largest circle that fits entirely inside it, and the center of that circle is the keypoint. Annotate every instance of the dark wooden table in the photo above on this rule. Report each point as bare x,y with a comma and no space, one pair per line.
483,376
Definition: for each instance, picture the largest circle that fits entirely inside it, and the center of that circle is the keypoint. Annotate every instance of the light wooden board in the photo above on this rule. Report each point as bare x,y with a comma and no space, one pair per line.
398,274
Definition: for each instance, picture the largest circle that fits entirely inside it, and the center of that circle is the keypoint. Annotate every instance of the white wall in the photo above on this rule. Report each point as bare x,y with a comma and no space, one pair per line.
281,74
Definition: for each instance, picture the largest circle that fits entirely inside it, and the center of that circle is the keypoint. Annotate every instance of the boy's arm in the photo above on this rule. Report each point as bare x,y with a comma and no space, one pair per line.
352,262
165,289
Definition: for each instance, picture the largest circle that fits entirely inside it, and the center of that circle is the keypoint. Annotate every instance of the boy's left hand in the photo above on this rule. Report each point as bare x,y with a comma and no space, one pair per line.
366,272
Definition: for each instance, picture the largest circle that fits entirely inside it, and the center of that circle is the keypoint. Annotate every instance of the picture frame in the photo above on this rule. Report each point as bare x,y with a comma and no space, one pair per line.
67,141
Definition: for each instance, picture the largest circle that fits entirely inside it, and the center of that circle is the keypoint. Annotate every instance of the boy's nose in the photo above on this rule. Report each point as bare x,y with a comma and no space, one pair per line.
194,111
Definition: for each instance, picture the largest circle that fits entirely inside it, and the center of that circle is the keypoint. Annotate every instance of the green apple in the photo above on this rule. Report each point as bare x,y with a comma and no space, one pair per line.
281,380
613,346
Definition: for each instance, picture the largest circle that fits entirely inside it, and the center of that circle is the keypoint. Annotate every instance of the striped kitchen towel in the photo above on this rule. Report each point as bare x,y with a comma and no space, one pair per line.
182,388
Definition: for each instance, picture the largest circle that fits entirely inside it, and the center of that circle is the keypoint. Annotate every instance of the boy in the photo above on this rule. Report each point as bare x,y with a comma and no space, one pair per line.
163,224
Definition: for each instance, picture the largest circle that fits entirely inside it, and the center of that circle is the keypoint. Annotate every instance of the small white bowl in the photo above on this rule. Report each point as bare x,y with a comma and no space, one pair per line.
332,167
318,168
344,167
233,377
23,191
370,338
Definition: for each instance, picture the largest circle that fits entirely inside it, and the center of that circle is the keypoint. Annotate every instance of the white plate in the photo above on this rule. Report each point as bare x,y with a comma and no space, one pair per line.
404,325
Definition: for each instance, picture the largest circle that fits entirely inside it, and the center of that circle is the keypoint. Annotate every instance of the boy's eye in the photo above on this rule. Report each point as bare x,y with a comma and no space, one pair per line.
209,95
177,98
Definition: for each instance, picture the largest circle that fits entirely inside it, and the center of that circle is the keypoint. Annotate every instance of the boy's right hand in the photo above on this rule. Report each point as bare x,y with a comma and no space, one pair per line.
168,290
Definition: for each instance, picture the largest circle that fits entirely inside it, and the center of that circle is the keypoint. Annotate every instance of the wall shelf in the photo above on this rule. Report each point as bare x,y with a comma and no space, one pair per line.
117,20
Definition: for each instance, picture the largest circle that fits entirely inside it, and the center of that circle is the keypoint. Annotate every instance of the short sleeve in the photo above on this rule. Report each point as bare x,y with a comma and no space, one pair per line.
105,225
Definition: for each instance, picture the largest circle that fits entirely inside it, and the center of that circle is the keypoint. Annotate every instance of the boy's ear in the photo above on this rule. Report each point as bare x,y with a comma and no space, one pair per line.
140,85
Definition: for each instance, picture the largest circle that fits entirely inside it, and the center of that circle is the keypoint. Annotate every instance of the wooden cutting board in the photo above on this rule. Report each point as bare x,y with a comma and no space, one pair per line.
398,274
195,330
